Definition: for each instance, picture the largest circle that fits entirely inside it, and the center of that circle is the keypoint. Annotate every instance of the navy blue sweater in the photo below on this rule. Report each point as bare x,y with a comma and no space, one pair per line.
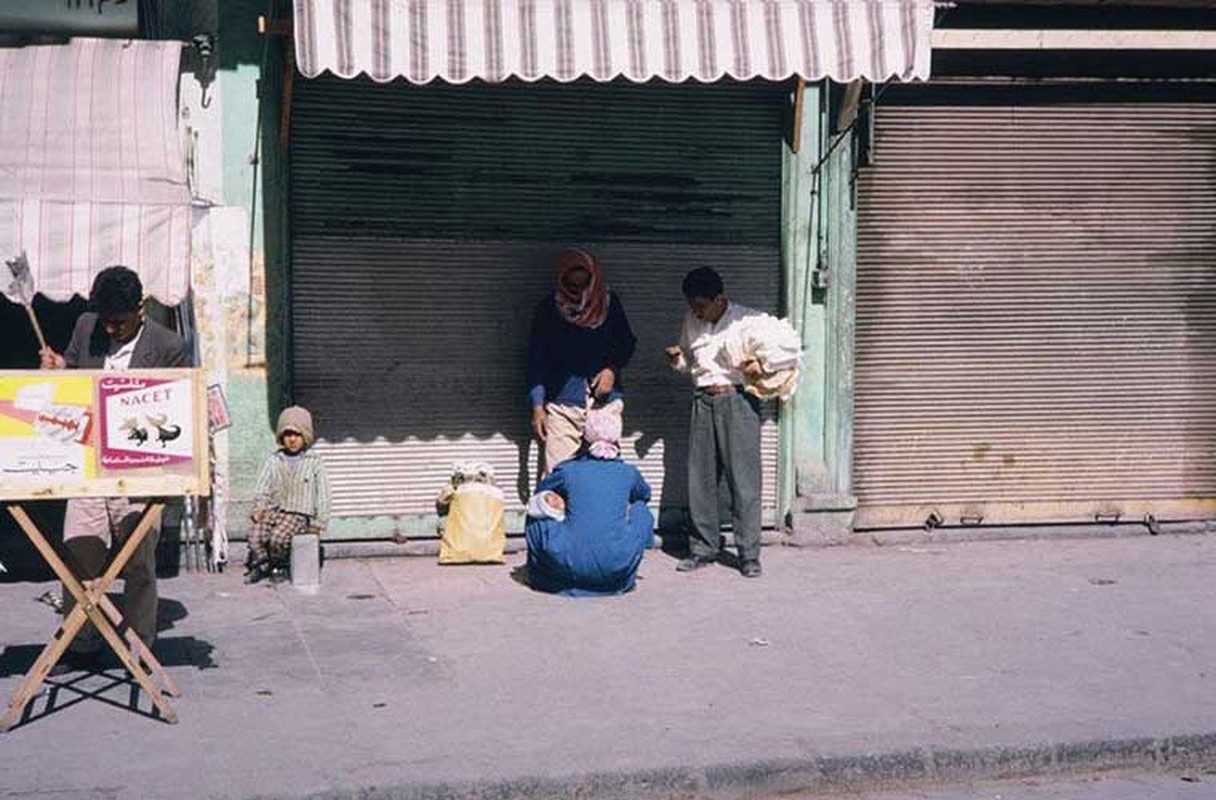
563,357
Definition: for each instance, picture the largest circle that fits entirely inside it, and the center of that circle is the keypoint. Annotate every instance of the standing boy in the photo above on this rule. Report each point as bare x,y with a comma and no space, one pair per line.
724,432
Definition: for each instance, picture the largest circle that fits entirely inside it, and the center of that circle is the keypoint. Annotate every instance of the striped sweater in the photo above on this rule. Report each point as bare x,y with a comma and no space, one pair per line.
304,490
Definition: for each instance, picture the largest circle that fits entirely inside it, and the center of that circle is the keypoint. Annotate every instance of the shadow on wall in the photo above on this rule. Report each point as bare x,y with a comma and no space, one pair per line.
410,310
427,347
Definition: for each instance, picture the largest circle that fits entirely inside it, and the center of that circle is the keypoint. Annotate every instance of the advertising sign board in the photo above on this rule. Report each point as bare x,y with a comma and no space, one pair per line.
90,433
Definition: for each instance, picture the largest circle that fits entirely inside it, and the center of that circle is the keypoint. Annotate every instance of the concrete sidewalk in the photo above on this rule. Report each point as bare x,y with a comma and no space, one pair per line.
845,667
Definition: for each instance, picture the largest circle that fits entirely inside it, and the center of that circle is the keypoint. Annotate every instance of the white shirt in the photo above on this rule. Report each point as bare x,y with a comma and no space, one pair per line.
704,347
121,358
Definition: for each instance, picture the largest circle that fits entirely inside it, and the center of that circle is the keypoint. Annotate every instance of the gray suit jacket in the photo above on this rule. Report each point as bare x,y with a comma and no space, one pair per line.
157,347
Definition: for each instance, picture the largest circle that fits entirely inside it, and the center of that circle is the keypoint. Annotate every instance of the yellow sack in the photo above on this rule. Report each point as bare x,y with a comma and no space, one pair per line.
476,530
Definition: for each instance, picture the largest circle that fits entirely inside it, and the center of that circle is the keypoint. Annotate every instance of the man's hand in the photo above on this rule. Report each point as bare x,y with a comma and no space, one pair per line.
539,420
603,382
314,530
257,517
49,359
752,369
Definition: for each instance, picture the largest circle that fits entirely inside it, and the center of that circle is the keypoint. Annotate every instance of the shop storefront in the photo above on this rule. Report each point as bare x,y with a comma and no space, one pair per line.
423,237
465,144
1035,318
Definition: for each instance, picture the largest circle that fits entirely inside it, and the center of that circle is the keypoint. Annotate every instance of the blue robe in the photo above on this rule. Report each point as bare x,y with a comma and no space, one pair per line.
596,550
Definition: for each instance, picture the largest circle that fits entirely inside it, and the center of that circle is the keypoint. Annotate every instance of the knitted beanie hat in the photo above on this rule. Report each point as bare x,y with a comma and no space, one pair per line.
295,418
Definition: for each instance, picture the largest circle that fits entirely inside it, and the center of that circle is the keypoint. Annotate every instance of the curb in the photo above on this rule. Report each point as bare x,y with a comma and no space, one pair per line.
825,774
1029,533
428,547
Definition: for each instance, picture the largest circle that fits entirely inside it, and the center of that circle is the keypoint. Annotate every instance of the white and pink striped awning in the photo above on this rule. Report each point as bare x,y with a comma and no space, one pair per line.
673,40
91,165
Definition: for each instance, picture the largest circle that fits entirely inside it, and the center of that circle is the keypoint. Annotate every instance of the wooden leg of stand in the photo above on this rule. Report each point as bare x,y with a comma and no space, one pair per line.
71,626
140,650
70,581
38,673
90,604
132,665
97,592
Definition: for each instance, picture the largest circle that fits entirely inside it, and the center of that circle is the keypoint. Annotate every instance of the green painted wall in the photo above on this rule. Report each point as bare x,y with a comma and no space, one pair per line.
840,256
249,80
802,418
819,266
250,440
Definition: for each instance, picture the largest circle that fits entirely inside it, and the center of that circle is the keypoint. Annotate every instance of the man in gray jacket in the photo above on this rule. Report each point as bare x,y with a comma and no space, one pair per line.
114,335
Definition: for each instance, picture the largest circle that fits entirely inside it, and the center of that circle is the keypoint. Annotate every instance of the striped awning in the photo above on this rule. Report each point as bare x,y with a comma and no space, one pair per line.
92,171
673,40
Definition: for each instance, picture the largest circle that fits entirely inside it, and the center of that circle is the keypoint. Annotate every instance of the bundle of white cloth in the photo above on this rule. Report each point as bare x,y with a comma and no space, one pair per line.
473,472
775,345
468,477
546,505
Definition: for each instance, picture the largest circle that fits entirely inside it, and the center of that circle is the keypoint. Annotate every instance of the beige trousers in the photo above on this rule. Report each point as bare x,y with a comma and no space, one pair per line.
564,430
93,528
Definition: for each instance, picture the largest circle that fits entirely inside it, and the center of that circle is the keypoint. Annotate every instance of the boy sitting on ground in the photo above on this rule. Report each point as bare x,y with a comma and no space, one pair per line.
292,497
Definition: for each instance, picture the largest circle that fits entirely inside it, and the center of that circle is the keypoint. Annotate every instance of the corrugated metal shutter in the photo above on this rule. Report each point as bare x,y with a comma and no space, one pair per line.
1036,320
424,224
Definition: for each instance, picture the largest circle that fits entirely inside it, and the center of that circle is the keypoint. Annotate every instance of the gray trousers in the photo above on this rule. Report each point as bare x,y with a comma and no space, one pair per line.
724,447
94,528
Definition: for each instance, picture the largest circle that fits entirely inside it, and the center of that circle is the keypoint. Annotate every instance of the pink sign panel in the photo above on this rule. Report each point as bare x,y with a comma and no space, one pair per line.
145,422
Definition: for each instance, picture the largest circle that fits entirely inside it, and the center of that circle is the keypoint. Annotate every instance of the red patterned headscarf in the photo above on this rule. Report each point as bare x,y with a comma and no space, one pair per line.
590,308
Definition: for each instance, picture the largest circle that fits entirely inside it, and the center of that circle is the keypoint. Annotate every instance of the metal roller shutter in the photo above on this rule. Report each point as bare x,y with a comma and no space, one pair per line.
1036,320
424,224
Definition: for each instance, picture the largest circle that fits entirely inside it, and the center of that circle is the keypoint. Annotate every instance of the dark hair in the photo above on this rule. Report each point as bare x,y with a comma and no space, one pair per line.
116,290
703,282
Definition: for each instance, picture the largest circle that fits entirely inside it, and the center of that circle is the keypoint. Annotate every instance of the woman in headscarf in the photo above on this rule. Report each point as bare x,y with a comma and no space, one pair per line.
579,343
589,539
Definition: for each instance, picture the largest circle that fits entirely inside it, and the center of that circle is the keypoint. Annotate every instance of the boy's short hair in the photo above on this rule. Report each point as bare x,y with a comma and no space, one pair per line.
116,290
703,282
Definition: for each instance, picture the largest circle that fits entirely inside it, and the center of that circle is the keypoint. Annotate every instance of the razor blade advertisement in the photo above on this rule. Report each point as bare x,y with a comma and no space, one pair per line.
46,425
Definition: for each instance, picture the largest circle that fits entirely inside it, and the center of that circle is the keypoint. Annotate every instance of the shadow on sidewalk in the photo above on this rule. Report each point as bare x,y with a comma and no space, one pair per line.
174,651
107,684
